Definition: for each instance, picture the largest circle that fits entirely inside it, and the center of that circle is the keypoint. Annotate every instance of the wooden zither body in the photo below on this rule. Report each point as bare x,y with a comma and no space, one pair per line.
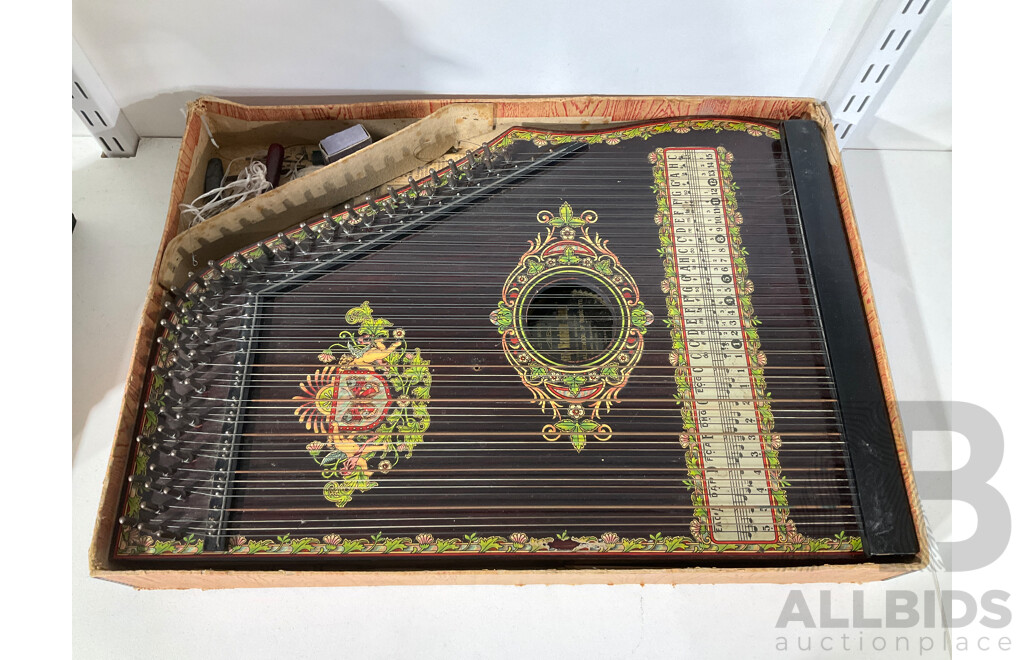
637,347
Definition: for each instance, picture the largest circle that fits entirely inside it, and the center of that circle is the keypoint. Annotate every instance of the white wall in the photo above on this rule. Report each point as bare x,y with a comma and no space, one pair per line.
156,57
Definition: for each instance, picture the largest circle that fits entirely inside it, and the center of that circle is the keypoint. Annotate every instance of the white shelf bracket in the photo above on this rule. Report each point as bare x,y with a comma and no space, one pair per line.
96,107
890,38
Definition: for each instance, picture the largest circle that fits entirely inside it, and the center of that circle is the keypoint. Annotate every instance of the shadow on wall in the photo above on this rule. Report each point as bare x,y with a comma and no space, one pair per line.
357,57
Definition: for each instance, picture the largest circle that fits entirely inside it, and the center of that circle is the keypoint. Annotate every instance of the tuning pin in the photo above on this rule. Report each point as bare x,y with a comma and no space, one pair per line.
370,217
325,231
170,412
178,494
184,455
158,371
396,201
306,244
174,398
435,182
199,302
153,486
177,295
224,273
166,433
284,254
200,282
332,230
160,470
244,262
182,364
184,356
160,447
185,331
336,224
196,337
470,164
153,531
414,188
255,265
152,508
177,420
169,345
198,388
353,217
213,285
187,387
205,302
201,324
488,162
453,175
128,521
215,267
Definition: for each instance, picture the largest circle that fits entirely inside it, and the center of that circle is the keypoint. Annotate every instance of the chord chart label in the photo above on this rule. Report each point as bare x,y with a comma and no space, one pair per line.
723,400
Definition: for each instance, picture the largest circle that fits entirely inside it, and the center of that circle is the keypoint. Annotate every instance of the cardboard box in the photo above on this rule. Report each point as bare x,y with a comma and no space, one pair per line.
410,135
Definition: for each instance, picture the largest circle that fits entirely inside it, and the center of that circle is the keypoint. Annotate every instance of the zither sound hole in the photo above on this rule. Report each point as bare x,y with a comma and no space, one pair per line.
571,323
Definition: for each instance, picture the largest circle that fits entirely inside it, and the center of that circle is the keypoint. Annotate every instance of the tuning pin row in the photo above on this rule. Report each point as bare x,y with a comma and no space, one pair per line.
307,243
475,164
285,252
145,528
157,490
212,285
397,203
154,486
224,274
328,231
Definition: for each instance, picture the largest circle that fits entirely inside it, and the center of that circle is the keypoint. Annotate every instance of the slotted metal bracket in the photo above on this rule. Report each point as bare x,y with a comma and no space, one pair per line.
890,38
96,107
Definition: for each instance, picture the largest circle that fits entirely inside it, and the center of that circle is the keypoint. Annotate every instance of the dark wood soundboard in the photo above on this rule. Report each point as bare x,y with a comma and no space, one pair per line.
637,347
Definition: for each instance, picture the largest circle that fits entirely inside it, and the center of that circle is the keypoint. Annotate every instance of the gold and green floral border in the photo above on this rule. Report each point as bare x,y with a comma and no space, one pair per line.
474,544
569,249
644,132
790,540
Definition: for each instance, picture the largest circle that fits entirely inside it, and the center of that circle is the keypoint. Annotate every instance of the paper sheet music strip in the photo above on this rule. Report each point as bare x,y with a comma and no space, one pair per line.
735,474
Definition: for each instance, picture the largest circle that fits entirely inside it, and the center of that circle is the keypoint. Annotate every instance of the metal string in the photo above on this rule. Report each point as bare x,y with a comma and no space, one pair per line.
233,525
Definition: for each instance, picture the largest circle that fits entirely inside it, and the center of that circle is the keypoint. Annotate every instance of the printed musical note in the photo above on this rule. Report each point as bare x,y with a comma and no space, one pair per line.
717,352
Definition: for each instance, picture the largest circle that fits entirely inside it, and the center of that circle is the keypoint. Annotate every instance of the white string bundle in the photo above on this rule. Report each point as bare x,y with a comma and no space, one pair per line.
251,181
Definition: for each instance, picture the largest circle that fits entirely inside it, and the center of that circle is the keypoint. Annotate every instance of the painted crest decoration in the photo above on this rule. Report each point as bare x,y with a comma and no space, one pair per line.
575,392
369,403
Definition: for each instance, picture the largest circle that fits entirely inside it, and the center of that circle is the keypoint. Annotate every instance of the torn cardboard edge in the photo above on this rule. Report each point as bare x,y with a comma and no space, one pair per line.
395,155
